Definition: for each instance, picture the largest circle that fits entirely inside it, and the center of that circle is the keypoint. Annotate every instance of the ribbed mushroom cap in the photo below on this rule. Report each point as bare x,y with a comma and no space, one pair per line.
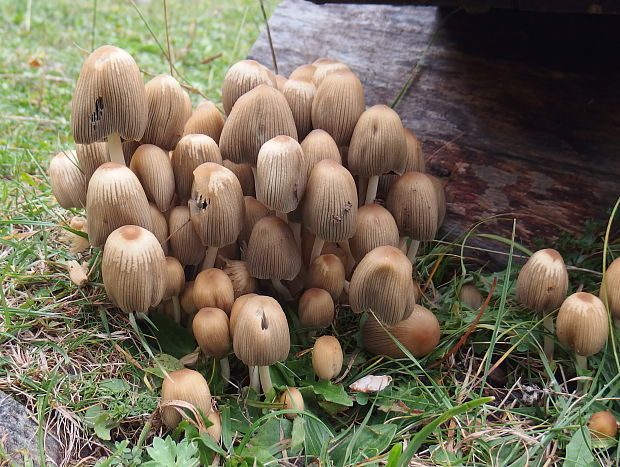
280,181
175,277
186,299
303,72
603,425
240,78
582,324
440,192
611,288
292,399
169,110
325,67
326,272
216,207
160,227
382,283
210,328
191,151
212,288
316,308
115,198
239,274
413,162
280,82
378,143
337,105
254,211
419,334
543,281
470,295
245,175
327,358
330,204
205,120
412,200
109,97
226,253
261,336
318,145
90,157
236,311
188,386
258,116
67,180
215,430
299,94
133,269
375,227
272,251
185,243
153,168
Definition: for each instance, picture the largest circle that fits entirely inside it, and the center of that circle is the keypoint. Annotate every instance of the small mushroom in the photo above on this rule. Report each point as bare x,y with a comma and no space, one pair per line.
375,227
191,151
603,425
239,274
175,283
326,272
188,386
291,399
240,78
153,168
212,288
90,157
185,244
210,329
205,120
67,180
299,94
160,227
303,72
413,162
245,174
315,309
324,67
471,296
236,309
327,358
77,243
610,290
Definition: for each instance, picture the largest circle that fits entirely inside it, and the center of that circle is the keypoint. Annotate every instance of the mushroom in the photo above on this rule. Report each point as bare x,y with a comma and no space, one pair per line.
188,307
375,227
109,101
236,309
239,274
90,157
280,82
318,145
471,296
240,78
175,283
441,199
315,309
191,151
299,94
245,174
212,288
326,272
324,67
327,358
67,180
210,328
160,227
291,399
603,425
77,243
185,243
206,120
610,290
215,430
153,168
412,162
188,386
303,72
254,211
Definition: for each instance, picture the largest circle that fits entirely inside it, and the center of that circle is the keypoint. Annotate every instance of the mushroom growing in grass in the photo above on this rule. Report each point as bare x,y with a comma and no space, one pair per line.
315,309
326,272
291,399
188,306
216,208
205,120
191,151
236,311
77,243
67,180
215,430
375,227
90,157
175,283
261,338
153,168
542,285
471,296
109,101
187,386
610,290
210,329
212,288
327,358
603,425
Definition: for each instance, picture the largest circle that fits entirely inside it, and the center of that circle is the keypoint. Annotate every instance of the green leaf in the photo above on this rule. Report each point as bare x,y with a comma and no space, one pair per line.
298,434
114,385
579,449
103,425
394,455
332,393
317,434
167,453
165,361
173,338
371,441
256,456
272,432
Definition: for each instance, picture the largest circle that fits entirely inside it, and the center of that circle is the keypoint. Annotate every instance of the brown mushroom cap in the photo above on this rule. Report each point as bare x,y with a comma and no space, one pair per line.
325,67
292,399
175,277
153,168
419,334
327,358
316,308
470,295
212,288
299,94
542,283
316,146
191,151
67,180
245,175
240,78
412,162
603,425
375,227
160,227
188,386
77,243
236,310
441,198
261,336
90,157
382,283
133,269
109,97
186,300
239,274
610,288
115,198
327,272
210,328
185,243
582,324
205,120
254,211
303,72
215,430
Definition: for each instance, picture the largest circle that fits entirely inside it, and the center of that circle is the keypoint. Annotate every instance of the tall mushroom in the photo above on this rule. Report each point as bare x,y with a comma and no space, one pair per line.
152,166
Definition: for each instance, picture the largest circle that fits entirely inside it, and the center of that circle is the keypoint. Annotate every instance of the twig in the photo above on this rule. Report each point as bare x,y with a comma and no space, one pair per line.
211,58
273,52
170,58
184,86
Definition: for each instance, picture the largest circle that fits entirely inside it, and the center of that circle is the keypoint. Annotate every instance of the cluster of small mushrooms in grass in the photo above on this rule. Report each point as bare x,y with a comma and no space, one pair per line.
197,214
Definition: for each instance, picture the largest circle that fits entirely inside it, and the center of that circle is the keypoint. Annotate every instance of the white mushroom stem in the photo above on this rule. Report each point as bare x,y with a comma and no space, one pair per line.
176,309
254,378
265,378
548,341
582,362
317,248
210,257
282,291
362,188
413,250
371,191
402,244
115,148
225,370
296,228
282,215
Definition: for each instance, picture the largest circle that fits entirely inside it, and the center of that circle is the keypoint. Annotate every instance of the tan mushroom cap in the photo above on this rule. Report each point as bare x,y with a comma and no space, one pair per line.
291,399
115,198
240,78
169,110
272,251
603,425
325,67
239,274
133,269
109,97
90,157
67,180
316,146
191,151
205,120
316,308
245,175
235,311
542,283
327,272
582,324
152,166
210,329
215,430
419,334
185,244
280,82
186,300
610,288
299,94
76,242
160,227
413,162
382,283
261,336
188,386
303,72
375,227
175,277
470,295
212,288
327,358
254,211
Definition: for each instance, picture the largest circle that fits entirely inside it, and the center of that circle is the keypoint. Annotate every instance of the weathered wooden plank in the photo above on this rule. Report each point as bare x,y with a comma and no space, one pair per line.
518,112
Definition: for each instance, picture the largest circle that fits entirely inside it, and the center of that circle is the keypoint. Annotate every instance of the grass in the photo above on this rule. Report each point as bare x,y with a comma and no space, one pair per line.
74,361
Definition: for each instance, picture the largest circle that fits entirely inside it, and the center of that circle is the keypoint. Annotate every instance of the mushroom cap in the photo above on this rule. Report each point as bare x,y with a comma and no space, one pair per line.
191,151
210,328
91,156
582,324
258,116
67,180
470,295
299,94
169,110
236,310
327,358
330,204
279,176
245,175
254,211
412,200
303,72
325,67
109,97
292,399
378,143
272,251
375,227
280,82
316,308
205,120
240,78
603,425
160,227
316,146
239,274
542,283
610,288
133,269
419,334
76,242
115,198
175,277
327,272
188,386
186,300
212,288
441,198
216,207
152,166
382,283
215,430
261,336
185,243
